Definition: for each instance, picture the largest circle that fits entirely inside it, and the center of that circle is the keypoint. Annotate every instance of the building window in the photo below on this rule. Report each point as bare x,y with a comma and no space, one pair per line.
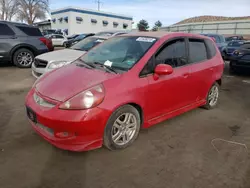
66,19
115,24
93,21
60,20
125,26
105,23
79,20
66,31
54,20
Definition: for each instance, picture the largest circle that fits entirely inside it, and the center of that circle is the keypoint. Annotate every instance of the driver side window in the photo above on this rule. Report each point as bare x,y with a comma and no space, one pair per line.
173,53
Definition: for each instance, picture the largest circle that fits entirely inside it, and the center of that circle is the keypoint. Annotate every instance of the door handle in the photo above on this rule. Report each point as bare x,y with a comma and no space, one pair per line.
185,75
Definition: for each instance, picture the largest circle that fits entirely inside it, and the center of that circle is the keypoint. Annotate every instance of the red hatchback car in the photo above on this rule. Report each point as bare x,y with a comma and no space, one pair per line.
129,82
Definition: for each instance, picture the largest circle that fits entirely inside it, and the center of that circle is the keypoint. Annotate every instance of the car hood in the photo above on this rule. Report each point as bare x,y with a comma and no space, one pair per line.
70,80
61,55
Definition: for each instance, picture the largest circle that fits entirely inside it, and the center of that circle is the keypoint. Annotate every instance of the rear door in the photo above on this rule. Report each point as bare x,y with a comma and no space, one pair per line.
59,40
7,40
202,67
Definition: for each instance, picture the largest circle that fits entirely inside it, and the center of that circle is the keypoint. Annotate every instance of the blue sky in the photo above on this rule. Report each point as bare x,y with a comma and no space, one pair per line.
167,11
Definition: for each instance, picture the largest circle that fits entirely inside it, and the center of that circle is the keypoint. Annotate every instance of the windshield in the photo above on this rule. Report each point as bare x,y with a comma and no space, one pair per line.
87,44
235,43
80,37
120,52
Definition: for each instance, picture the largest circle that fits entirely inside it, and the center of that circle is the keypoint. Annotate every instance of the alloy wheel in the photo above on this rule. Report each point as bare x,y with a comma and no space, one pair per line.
24,58
124,129
213,96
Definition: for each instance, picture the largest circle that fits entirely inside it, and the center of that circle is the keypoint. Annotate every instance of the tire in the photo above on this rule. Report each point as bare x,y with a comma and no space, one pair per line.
111,130
224,56
19,54
209,104
231,68
65,45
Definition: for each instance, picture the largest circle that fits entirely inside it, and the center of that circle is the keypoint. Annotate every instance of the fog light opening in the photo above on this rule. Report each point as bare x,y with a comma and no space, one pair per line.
64,134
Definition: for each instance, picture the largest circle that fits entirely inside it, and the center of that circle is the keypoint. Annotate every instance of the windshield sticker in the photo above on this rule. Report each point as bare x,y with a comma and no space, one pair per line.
145,39
108,63
99,40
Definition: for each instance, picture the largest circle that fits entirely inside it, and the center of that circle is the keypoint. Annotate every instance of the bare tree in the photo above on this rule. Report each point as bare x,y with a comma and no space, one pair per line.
8,8
30,10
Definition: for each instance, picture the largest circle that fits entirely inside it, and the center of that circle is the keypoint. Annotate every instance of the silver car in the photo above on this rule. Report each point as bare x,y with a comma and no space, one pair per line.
56,59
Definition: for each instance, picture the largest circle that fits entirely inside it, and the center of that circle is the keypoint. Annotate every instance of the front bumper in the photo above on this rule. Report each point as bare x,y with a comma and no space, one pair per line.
37,72
85,128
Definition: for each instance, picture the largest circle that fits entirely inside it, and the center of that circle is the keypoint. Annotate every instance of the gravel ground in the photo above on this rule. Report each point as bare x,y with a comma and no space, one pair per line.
185,151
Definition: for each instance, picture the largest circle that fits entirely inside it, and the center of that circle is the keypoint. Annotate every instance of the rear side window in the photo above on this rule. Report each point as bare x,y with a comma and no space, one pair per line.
173,53
59,37
30,31
5,30
211,49
197,50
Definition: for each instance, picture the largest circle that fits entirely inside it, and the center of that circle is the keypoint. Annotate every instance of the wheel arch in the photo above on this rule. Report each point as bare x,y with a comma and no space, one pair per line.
137,106
20,46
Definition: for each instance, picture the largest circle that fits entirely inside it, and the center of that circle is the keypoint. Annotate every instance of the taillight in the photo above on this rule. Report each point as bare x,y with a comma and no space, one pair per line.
43,40
47,42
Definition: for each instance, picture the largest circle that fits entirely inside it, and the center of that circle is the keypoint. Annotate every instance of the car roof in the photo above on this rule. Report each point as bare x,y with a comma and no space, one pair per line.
160,34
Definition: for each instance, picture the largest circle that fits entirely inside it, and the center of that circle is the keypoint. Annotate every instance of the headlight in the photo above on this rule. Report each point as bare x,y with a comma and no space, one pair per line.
86,99
58,64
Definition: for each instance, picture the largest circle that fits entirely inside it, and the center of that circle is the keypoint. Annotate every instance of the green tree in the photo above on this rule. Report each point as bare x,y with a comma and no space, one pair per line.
142,25
157,25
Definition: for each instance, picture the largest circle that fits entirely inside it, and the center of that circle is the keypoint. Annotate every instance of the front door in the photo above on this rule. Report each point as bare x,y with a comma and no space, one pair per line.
170,92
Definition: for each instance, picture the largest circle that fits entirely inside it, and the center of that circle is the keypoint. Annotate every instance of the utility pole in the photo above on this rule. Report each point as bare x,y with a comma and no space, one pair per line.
98,4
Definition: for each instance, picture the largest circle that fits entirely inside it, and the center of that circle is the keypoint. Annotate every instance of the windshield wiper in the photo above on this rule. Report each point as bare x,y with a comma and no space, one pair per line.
108,68
89,65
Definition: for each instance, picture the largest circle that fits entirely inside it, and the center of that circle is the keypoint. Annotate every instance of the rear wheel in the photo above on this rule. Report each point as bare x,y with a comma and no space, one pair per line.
231,68
224,55
122,128
23,58
65,45
212,96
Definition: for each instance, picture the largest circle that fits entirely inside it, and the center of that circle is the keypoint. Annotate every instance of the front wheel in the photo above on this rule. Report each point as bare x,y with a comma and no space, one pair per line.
122,128
212,97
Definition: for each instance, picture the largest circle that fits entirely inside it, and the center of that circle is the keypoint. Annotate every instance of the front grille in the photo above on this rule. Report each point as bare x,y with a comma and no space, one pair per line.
246,57
40,63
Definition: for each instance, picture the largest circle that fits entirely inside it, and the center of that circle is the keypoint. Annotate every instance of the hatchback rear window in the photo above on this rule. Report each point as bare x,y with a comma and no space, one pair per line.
30,31
5,30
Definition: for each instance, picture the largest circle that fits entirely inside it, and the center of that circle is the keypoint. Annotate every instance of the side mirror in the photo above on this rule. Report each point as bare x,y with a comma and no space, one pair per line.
162,69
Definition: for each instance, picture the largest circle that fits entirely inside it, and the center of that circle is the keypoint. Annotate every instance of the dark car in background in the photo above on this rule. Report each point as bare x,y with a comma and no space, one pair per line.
20,43
219,40
240,58
233,38
72,36
75,40
231,47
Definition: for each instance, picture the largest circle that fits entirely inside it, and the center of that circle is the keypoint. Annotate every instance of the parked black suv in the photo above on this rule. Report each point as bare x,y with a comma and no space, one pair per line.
20,43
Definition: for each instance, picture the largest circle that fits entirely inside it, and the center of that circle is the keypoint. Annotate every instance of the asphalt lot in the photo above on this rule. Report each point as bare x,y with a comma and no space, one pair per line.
176,153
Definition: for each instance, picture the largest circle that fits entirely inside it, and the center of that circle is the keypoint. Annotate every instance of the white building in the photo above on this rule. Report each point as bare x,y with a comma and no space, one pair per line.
77,21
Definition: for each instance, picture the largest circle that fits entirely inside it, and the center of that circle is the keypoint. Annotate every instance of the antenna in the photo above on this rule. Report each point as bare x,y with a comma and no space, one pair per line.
98,4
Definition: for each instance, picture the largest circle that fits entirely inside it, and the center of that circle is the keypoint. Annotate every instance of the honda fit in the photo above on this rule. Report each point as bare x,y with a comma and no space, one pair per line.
126,83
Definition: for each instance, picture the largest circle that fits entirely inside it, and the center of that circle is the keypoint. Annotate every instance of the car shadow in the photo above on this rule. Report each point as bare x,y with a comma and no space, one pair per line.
6,64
